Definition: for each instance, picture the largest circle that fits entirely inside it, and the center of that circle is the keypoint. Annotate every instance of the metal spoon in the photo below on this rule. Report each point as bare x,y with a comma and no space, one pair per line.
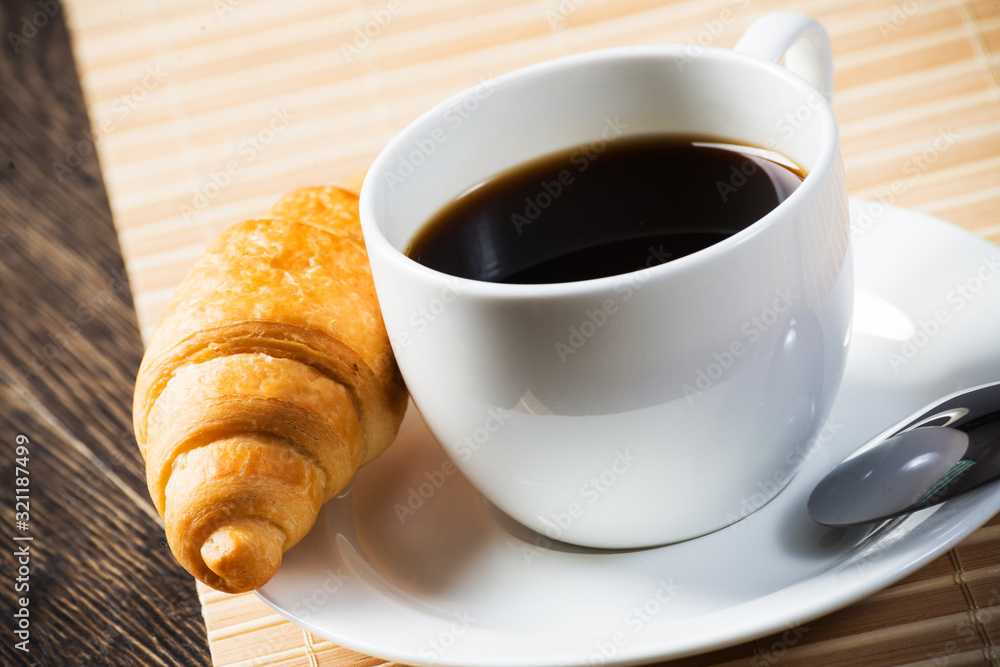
942,451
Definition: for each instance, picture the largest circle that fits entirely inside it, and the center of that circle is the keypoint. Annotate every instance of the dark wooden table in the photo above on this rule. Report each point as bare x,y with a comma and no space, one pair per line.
102,588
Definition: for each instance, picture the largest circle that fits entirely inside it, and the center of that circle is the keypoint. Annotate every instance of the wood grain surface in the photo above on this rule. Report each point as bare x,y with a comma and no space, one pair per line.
103,587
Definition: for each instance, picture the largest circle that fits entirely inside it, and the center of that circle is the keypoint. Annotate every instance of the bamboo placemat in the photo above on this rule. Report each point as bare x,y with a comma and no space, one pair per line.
205,111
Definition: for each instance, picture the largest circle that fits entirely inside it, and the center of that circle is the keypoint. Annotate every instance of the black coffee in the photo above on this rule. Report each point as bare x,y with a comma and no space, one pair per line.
581,214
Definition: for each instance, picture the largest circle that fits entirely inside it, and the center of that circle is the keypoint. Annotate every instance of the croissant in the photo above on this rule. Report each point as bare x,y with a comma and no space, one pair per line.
267,383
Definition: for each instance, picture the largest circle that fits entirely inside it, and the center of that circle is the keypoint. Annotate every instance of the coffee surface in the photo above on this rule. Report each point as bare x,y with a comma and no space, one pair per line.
603,209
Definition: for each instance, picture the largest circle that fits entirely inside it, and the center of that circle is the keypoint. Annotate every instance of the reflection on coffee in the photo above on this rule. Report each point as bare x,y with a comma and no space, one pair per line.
579,214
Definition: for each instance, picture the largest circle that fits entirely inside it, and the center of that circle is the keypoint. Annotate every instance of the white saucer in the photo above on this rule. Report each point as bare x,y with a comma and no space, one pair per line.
411,564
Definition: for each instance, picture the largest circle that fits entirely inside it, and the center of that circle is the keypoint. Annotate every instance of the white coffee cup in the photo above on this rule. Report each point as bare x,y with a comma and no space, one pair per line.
657,405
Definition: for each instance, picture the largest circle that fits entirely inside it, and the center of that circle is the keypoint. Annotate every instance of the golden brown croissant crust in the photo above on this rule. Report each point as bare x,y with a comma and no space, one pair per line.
268,381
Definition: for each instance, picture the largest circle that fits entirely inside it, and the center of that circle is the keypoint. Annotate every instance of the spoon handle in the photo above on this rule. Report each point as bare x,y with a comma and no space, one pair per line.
965,476
977,413
980,404
947,449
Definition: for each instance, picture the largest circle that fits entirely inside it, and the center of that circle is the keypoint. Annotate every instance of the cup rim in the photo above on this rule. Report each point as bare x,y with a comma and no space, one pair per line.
376,241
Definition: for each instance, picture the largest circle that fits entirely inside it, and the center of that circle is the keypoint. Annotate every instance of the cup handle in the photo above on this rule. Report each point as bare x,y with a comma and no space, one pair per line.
802,41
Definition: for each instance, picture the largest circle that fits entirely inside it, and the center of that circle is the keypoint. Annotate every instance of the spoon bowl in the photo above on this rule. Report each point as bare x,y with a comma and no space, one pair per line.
942,451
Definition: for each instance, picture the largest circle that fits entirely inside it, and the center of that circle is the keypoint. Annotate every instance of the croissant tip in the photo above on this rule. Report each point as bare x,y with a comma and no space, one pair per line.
243,555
